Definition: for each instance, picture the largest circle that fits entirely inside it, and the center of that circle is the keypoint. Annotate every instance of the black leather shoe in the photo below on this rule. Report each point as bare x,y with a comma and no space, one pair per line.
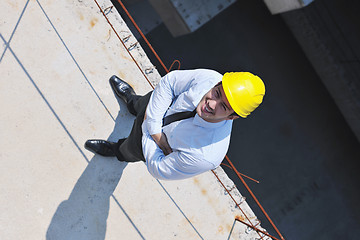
101,147
121,88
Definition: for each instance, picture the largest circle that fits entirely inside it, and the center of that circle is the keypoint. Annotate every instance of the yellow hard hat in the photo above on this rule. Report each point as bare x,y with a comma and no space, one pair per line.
244,91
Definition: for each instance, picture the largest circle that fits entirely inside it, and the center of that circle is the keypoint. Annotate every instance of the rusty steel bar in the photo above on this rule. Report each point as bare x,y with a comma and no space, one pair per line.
234,200
256,229
142,35
123,43
174,63
254,197
241,173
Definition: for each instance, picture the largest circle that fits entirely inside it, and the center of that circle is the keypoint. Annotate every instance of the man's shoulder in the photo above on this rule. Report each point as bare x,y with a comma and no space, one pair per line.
205,77
207,72
198,71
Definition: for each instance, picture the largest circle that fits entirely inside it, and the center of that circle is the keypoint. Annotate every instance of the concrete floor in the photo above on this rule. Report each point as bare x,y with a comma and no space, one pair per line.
297,143
56,59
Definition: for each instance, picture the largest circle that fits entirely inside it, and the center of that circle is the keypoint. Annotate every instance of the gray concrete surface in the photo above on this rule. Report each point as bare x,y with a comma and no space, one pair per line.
281,6
328,33
56,58
185,16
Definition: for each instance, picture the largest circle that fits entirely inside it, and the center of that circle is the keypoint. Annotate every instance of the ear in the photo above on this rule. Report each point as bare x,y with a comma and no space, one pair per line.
232,117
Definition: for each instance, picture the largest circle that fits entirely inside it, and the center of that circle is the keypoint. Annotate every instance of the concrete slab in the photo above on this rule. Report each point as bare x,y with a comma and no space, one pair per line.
12,12
186,16
54,95
280,6
195,14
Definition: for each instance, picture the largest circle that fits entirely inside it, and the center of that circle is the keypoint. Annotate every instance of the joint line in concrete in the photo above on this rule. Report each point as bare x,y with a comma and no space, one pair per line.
64,127
232,228
13,32
45,100
179,208
76,63
122,209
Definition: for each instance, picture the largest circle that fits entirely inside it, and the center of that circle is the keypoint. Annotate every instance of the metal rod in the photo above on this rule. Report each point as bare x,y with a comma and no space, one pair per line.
256,229
123,43
241,173
256,200
142,35
233,199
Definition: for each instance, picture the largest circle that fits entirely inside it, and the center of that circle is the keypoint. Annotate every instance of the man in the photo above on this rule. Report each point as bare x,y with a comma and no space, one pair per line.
178,145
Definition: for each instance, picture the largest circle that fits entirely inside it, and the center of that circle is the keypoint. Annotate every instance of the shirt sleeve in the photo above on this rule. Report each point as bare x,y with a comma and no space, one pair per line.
169,87
175,166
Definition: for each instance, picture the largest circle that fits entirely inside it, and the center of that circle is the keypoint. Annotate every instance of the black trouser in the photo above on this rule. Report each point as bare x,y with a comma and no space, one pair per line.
130,149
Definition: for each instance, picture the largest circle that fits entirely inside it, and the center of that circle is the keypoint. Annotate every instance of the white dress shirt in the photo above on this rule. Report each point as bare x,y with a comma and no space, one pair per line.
197,145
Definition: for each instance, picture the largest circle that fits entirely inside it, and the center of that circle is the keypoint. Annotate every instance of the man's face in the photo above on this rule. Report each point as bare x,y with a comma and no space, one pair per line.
214,106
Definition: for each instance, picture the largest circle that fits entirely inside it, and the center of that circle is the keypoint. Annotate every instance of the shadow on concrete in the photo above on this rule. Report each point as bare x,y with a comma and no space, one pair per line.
84,215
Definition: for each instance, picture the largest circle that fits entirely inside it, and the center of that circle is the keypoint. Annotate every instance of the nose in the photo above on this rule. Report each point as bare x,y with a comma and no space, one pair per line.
212,104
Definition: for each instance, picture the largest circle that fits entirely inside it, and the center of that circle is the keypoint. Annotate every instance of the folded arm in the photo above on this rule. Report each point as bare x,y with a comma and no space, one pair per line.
174,166
161,140
169,87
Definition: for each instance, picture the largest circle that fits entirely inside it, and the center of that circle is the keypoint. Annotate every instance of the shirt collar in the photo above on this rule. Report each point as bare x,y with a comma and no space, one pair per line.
202,123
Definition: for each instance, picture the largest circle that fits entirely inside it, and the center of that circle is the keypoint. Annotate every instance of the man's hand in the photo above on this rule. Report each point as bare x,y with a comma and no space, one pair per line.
161,141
